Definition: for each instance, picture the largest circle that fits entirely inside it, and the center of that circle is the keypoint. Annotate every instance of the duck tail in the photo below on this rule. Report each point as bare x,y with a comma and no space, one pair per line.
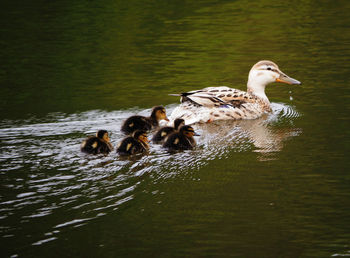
184,94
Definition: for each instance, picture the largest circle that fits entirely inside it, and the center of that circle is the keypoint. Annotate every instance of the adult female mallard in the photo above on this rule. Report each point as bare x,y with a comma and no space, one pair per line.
97,144
134,123
216,103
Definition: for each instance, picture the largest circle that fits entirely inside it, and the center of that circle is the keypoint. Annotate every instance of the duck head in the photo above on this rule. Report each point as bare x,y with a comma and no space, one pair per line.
188,131
263,73
159,113
141,136
103,135
178,123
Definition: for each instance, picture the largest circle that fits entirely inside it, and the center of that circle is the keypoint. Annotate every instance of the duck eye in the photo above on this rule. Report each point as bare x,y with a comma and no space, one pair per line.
269,68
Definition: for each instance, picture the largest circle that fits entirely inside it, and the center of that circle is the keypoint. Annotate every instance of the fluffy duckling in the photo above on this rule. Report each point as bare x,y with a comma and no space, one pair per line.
97,144
137,143
182,140
134,123
162,133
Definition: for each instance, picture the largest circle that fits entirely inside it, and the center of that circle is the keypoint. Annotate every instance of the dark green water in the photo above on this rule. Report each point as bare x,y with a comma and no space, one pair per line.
277,186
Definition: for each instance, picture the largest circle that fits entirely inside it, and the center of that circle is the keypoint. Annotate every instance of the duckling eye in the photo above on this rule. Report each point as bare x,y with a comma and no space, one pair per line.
269,68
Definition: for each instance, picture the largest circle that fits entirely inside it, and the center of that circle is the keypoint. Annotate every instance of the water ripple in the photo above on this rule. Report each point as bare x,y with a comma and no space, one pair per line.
43,172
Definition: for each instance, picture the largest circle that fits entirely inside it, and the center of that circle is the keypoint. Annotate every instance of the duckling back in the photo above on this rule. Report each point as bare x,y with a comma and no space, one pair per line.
130,146
94,145
182,140
134,123
162,133
142,123
178,141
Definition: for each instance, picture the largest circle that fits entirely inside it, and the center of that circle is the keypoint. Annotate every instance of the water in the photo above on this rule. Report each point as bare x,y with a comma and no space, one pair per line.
277,186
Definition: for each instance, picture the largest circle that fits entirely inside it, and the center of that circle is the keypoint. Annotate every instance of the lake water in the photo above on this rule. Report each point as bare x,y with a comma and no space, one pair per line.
277,186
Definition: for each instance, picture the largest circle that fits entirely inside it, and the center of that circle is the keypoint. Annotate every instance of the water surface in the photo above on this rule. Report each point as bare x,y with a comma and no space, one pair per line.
277,186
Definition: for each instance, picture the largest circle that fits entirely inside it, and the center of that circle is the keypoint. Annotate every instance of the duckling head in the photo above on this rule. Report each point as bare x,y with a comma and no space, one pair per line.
178,123
141,136
159,113
263,73
103,135
188,131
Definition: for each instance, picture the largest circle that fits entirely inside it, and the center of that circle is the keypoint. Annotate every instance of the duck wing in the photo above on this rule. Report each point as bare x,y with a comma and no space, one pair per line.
217,96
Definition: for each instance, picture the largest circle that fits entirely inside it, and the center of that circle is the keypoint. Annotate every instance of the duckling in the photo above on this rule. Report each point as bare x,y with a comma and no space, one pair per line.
137,143
134,123
182,140
162,133
97,144
216,103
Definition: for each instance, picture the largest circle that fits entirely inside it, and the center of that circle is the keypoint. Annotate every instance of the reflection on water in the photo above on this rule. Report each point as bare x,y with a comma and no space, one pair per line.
266,138
47,174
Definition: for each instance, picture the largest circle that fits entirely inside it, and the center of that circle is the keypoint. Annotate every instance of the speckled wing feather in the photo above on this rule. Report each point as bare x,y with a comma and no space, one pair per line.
228,95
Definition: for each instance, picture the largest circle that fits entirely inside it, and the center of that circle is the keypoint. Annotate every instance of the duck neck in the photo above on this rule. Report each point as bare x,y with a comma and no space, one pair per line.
109,145
153,119
144,144
191,140
258,90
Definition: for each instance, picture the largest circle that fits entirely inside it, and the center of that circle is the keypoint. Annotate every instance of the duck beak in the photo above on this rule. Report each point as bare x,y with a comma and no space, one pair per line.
196,134
166,119
286,79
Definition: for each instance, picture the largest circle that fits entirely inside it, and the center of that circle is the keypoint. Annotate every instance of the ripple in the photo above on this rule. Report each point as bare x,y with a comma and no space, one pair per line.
75,221
46,174
283,112
44,241
25,194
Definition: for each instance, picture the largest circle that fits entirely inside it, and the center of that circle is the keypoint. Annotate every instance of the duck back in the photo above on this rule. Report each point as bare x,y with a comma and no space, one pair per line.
134,123
162,133
130,146
178,141
94,145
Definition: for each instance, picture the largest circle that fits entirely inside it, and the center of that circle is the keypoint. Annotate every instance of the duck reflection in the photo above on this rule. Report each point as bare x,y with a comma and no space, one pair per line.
266,138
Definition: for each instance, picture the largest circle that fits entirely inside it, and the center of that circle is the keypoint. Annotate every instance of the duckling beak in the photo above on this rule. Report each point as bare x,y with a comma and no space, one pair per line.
196,134
286,79
166,119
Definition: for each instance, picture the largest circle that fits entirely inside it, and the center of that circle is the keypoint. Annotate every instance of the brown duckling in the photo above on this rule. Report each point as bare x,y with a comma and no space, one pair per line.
163,132
134,123
182,140
97,144
137,143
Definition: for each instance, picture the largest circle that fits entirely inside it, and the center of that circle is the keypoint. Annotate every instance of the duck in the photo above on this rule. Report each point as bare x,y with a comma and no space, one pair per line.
222,103
137,143
181,140
134,123
100,143
163,132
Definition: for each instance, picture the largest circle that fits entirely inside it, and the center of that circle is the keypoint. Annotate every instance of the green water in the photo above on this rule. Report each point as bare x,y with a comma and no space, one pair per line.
277,186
